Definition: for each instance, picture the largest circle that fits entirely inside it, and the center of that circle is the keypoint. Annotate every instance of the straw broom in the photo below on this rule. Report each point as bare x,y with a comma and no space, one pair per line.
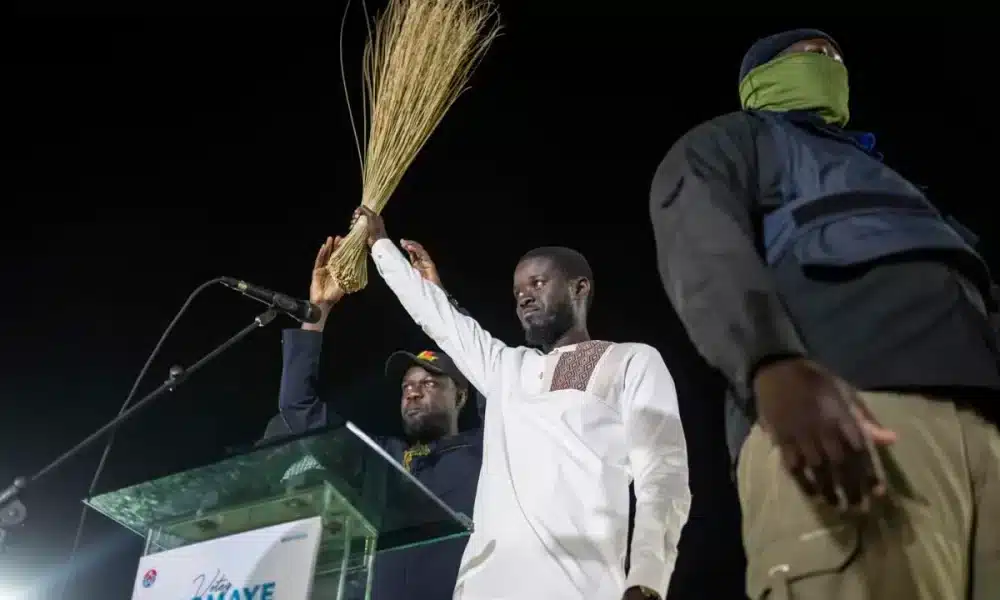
417,62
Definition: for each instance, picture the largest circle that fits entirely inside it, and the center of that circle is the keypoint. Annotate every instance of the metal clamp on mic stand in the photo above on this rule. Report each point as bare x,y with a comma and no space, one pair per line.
12,509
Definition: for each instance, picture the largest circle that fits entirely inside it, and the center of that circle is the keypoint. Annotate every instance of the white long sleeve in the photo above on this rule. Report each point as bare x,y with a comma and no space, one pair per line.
657,453
475,352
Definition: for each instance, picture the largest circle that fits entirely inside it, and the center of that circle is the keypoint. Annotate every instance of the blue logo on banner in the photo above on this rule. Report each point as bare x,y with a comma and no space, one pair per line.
149,578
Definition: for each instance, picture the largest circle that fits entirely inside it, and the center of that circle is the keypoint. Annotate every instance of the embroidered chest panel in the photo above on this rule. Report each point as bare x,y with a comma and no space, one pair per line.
575,369
413,452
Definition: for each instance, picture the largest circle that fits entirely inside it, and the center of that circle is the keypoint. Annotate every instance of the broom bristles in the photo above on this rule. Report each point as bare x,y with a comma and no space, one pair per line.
417,63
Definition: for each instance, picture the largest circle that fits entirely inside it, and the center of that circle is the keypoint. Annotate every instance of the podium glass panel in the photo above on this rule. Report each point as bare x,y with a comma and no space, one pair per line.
366,500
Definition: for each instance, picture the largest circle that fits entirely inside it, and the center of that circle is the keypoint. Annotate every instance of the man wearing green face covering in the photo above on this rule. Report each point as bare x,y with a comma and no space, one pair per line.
851,320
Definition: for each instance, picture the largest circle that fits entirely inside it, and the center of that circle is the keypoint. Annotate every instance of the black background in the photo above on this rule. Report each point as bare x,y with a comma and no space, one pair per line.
148,148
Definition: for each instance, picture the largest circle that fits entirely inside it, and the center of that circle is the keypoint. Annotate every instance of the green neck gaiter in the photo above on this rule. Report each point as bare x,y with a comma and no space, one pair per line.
799,81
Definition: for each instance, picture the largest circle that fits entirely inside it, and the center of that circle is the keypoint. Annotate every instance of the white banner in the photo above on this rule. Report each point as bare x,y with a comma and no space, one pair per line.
273,563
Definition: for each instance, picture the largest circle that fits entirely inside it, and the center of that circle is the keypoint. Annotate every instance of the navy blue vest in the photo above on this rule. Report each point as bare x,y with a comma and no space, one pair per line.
842,207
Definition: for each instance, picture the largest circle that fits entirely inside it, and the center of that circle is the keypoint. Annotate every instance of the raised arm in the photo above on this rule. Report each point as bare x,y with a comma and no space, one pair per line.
475,352
421,260
298,398
700,206
658,460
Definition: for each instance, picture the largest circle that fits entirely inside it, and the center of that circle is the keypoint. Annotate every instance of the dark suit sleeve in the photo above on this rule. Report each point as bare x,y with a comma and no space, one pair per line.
298,398
701,203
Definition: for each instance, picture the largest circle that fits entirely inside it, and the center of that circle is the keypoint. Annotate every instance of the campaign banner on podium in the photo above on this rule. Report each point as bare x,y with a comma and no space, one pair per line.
273,563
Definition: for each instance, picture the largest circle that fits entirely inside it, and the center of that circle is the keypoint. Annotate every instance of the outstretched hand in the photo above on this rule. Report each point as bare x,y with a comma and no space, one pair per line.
324,290
421,261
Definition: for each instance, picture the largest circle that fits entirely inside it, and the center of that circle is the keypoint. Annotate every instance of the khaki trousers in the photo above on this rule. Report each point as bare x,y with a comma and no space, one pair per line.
936,536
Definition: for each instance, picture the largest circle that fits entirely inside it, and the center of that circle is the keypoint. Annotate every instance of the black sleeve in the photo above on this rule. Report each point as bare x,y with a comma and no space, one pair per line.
298,398
701,207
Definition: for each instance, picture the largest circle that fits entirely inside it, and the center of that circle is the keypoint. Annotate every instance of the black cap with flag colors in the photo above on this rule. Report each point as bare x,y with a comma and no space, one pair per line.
435,362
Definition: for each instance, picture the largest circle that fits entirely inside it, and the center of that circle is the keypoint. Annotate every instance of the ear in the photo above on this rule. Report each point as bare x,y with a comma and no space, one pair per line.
581,287
463,395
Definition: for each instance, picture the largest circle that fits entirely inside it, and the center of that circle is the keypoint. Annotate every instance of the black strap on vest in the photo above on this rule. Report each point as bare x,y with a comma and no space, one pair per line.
780,224
848,203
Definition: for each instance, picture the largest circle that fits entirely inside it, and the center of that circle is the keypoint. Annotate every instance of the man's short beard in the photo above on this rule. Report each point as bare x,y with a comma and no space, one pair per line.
546,332
428,427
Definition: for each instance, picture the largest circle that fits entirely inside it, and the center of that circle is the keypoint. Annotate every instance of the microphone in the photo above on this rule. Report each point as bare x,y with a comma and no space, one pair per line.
300,310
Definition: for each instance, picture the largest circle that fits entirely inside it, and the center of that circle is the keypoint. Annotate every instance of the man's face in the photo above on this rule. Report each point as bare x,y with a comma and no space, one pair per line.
429,404
544,303
817,46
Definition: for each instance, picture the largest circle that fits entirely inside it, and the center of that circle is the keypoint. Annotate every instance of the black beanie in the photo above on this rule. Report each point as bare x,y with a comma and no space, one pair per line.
767,48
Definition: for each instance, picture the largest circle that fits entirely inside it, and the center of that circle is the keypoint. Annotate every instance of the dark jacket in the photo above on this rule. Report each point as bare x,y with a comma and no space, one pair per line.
883,299
450,471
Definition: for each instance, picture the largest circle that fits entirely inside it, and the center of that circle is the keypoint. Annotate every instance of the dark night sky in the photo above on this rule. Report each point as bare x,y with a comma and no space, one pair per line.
142,156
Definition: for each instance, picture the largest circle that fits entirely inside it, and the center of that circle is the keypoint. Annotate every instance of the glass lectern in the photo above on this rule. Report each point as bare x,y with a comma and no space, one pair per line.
367,503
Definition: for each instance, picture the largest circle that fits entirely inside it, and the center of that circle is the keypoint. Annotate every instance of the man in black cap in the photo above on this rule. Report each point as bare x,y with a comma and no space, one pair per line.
432,395
852,322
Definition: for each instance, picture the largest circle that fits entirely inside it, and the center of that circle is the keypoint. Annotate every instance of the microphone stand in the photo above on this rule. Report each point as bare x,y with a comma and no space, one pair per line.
13,511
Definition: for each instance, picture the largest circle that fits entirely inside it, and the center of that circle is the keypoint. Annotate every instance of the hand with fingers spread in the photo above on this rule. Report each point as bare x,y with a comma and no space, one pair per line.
373,223
421,261
827,437
324,291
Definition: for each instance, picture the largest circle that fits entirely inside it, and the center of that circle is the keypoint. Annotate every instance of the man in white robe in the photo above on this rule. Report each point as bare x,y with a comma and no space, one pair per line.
567,429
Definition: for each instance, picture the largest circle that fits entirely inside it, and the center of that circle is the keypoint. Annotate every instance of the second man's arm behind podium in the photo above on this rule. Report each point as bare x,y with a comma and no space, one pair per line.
299,406
299,403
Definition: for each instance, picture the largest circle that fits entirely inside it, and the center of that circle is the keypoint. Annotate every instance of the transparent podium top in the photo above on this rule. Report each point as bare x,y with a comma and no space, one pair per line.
400,509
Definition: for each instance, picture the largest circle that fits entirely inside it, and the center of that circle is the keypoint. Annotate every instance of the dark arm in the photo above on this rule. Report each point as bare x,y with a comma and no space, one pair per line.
298,399
701,205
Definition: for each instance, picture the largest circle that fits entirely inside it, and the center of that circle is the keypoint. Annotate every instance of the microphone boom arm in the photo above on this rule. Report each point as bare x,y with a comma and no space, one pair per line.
13,511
